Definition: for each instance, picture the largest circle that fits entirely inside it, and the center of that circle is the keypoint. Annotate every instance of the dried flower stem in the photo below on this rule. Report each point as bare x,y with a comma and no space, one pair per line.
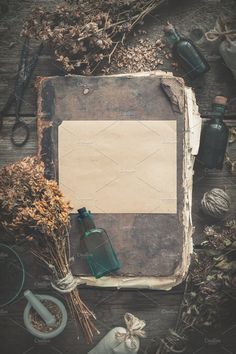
87,32
34,210
211,283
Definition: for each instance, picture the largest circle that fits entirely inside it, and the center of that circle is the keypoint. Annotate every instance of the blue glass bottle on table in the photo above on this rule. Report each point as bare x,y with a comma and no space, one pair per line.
100,255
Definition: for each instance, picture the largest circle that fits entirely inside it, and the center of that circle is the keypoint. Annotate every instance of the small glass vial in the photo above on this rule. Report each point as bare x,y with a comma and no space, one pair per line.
100,256
186,53
214,137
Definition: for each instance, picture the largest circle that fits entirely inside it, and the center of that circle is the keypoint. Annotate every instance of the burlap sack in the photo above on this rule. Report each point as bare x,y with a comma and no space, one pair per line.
225,32
122,340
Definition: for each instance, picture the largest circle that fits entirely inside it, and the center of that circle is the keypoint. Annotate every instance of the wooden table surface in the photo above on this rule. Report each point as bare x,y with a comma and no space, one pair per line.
159,309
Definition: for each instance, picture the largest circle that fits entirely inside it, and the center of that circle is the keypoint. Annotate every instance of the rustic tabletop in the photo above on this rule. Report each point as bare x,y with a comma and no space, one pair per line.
158,308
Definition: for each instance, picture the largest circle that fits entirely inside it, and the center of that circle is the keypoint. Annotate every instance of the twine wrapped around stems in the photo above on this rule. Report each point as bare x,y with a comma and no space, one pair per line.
35,212
66,284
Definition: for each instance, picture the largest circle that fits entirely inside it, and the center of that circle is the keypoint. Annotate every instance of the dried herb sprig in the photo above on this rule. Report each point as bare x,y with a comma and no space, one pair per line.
211,283
86,32
33,209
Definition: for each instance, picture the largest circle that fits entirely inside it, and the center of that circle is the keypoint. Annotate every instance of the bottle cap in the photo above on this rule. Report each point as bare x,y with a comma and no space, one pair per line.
220,100
81,211
169,27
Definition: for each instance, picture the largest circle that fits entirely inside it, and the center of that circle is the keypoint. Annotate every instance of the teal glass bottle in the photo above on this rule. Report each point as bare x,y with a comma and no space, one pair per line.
186,53
214,137
100,254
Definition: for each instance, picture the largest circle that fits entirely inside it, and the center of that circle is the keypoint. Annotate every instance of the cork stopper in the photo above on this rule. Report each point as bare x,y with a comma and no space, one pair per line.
169,27
220,100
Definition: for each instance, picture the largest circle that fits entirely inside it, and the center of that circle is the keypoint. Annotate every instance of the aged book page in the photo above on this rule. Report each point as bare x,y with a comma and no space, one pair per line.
119,166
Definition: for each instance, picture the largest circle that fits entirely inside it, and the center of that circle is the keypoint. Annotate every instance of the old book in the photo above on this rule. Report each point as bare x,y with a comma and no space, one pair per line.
123,146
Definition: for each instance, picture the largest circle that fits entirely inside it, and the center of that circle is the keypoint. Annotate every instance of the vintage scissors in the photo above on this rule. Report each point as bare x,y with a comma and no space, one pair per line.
20,130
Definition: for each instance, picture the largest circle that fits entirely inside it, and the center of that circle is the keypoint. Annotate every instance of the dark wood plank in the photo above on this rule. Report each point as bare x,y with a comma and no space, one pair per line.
202,14
11,44
109,306
10,153
158,309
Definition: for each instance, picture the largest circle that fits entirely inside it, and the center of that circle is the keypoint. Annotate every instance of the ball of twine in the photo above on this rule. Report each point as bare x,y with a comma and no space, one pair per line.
216,203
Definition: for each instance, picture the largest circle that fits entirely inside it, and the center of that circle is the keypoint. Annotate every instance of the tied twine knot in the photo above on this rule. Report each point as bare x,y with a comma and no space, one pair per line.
134,329
221,30
66,284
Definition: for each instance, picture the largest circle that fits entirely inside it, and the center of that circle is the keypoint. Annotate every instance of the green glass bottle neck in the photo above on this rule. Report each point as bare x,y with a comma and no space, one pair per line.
87,223
172,37
218,111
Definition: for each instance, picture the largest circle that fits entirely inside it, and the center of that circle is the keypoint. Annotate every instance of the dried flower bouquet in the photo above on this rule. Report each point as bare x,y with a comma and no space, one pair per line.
33,209
84,33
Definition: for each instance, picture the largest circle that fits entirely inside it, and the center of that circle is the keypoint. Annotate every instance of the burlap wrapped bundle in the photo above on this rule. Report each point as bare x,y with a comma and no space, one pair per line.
122,340
225,32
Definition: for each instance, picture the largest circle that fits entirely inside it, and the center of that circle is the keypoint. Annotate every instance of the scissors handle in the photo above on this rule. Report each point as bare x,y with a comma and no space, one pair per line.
20,131
5,109
23,137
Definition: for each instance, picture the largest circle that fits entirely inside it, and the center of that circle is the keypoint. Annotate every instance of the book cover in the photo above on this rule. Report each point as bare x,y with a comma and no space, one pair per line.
123,146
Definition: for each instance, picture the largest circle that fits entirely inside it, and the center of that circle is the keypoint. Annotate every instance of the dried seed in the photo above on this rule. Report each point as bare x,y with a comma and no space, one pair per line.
86,91
158,42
